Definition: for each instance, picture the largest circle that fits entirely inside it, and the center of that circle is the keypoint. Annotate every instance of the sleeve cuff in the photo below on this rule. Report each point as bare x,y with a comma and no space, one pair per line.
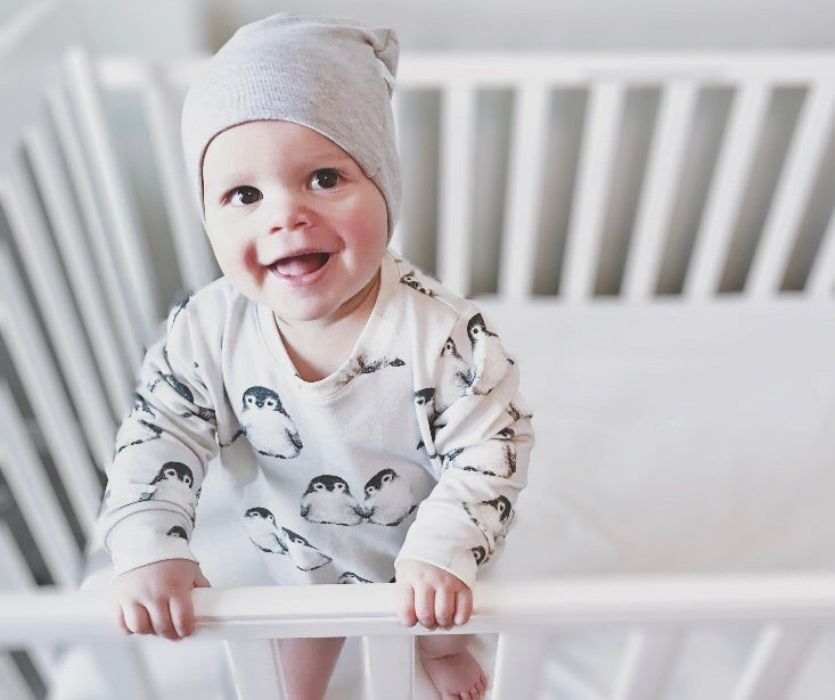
461,565
148,537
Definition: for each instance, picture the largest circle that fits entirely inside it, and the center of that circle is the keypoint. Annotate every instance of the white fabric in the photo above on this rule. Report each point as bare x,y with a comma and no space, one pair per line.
674,437
325,476
671,437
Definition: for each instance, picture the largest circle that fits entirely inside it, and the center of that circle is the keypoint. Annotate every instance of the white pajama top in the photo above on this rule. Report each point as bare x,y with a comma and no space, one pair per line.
415,448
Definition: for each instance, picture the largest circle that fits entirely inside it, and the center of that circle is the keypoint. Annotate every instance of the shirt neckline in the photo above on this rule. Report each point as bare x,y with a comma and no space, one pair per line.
332,385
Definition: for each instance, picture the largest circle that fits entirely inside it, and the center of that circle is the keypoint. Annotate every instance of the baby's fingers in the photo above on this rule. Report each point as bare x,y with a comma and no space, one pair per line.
404,604
182,614
425,605
444,606
463,606
136,619
120,619
161,619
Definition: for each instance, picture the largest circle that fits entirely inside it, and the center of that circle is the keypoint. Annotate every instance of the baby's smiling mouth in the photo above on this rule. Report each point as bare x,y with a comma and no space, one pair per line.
300,265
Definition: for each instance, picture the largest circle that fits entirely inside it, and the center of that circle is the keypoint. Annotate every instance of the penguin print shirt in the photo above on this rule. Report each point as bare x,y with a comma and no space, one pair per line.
416,447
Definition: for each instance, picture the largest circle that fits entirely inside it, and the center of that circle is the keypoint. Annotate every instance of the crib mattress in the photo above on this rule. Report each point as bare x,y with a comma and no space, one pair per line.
671,438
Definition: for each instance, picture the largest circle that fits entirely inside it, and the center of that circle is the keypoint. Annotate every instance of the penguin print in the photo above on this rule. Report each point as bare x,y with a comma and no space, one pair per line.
481,555
178,531
263,531
362,365
137,429
266,424
517,413
388,498
173,483
410,280
491,517
351,577
168,378
456,377
488,356
179,306
488,457
328,500
426,398
304,555
366,367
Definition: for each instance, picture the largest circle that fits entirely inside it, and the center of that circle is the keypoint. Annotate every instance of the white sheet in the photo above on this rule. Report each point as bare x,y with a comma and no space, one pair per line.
670,438
674,438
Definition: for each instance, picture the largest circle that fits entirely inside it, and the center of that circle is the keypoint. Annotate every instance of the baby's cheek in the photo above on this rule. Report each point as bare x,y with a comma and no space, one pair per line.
253,268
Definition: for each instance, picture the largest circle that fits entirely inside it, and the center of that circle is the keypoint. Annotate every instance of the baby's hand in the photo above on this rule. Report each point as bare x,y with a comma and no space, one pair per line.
156,598
431,596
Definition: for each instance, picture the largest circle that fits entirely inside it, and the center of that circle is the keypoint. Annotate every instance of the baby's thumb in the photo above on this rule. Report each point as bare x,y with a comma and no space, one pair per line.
201,581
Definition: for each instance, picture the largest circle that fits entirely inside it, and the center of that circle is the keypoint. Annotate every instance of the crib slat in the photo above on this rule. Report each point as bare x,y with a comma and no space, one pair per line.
46,395
646,664
592,190
520,657
524,191
33,493
658,197
16,576
123,670
12,682
796,181
121,305
775,661
194,256
133,258
389,667
256,669
726,190
29,230
77,261
455,230
821,282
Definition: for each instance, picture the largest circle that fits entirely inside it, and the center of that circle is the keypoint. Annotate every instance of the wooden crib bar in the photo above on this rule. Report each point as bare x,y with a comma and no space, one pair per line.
790,610
535,79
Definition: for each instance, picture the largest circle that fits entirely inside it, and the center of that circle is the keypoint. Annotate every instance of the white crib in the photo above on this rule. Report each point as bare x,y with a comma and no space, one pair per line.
653,237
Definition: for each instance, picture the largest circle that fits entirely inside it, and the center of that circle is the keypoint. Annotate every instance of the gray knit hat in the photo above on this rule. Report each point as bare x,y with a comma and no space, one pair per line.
332,75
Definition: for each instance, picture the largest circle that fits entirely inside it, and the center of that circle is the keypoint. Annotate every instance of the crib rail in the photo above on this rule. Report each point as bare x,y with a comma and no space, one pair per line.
790,611
709,251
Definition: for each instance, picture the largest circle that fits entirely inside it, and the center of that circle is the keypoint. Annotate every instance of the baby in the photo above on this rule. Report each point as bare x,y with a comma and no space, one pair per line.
367,420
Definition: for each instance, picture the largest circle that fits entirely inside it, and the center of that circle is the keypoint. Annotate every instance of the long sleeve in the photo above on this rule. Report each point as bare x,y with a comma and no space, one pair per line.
483,437
162,449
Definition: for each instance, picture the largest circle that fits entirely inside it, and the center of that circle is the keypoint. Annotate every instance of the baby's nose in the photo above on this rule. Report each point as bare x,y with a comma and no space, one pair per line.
288,211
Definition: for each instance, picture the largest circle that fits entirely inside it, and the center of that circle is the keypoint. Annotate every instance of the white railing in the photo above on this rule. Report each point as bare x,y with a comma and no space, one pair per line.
790,611
535,79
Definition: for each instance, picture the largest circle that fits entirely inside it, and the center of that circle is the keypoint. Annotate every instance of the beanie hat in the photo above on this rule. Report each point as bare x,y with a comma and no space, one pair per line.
332,75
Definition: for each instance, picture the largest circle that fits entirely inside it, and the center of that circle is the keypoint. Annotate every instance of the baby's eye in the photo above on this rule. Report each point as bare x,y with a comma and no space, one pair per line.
326,178
248,195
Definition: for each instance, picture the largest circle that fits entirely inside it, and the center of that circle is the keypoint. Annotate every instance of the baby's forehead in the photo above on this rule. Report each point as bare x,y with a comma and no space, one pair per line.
245,145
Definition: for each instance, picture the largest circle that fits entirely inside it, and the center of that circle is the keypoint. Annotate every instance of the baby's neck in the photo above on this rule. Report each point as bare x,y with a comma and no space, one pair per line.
317,349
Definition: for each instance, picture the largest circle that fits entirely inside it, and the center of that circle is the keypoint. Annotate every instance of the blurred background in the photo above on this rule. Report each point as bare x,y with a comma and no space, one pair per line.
136,26
161,29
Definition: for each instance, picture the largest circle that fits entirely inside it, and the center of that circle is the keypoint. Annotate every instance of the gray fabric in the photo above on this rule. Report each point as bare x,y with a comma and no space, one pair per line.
332,75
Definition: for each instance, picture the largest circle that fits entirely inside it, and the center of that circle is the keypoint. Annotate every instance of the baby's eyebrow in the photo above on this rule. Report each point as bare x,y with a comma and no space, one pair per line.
315,160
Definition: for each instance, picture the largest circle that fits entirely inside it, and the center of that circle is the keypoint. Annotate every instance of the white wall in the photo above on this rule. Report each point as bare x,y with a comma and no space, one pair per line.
171,26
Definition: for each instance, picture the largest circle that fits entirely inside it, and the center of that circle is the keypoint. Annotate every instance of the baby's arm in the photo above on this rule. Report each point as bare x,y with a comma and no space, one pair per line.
482,436
162,450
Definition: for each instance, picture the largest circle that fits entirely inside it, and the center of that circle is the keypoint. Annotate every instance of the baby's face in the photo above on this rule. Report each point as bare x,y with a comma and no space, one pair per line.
273,189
